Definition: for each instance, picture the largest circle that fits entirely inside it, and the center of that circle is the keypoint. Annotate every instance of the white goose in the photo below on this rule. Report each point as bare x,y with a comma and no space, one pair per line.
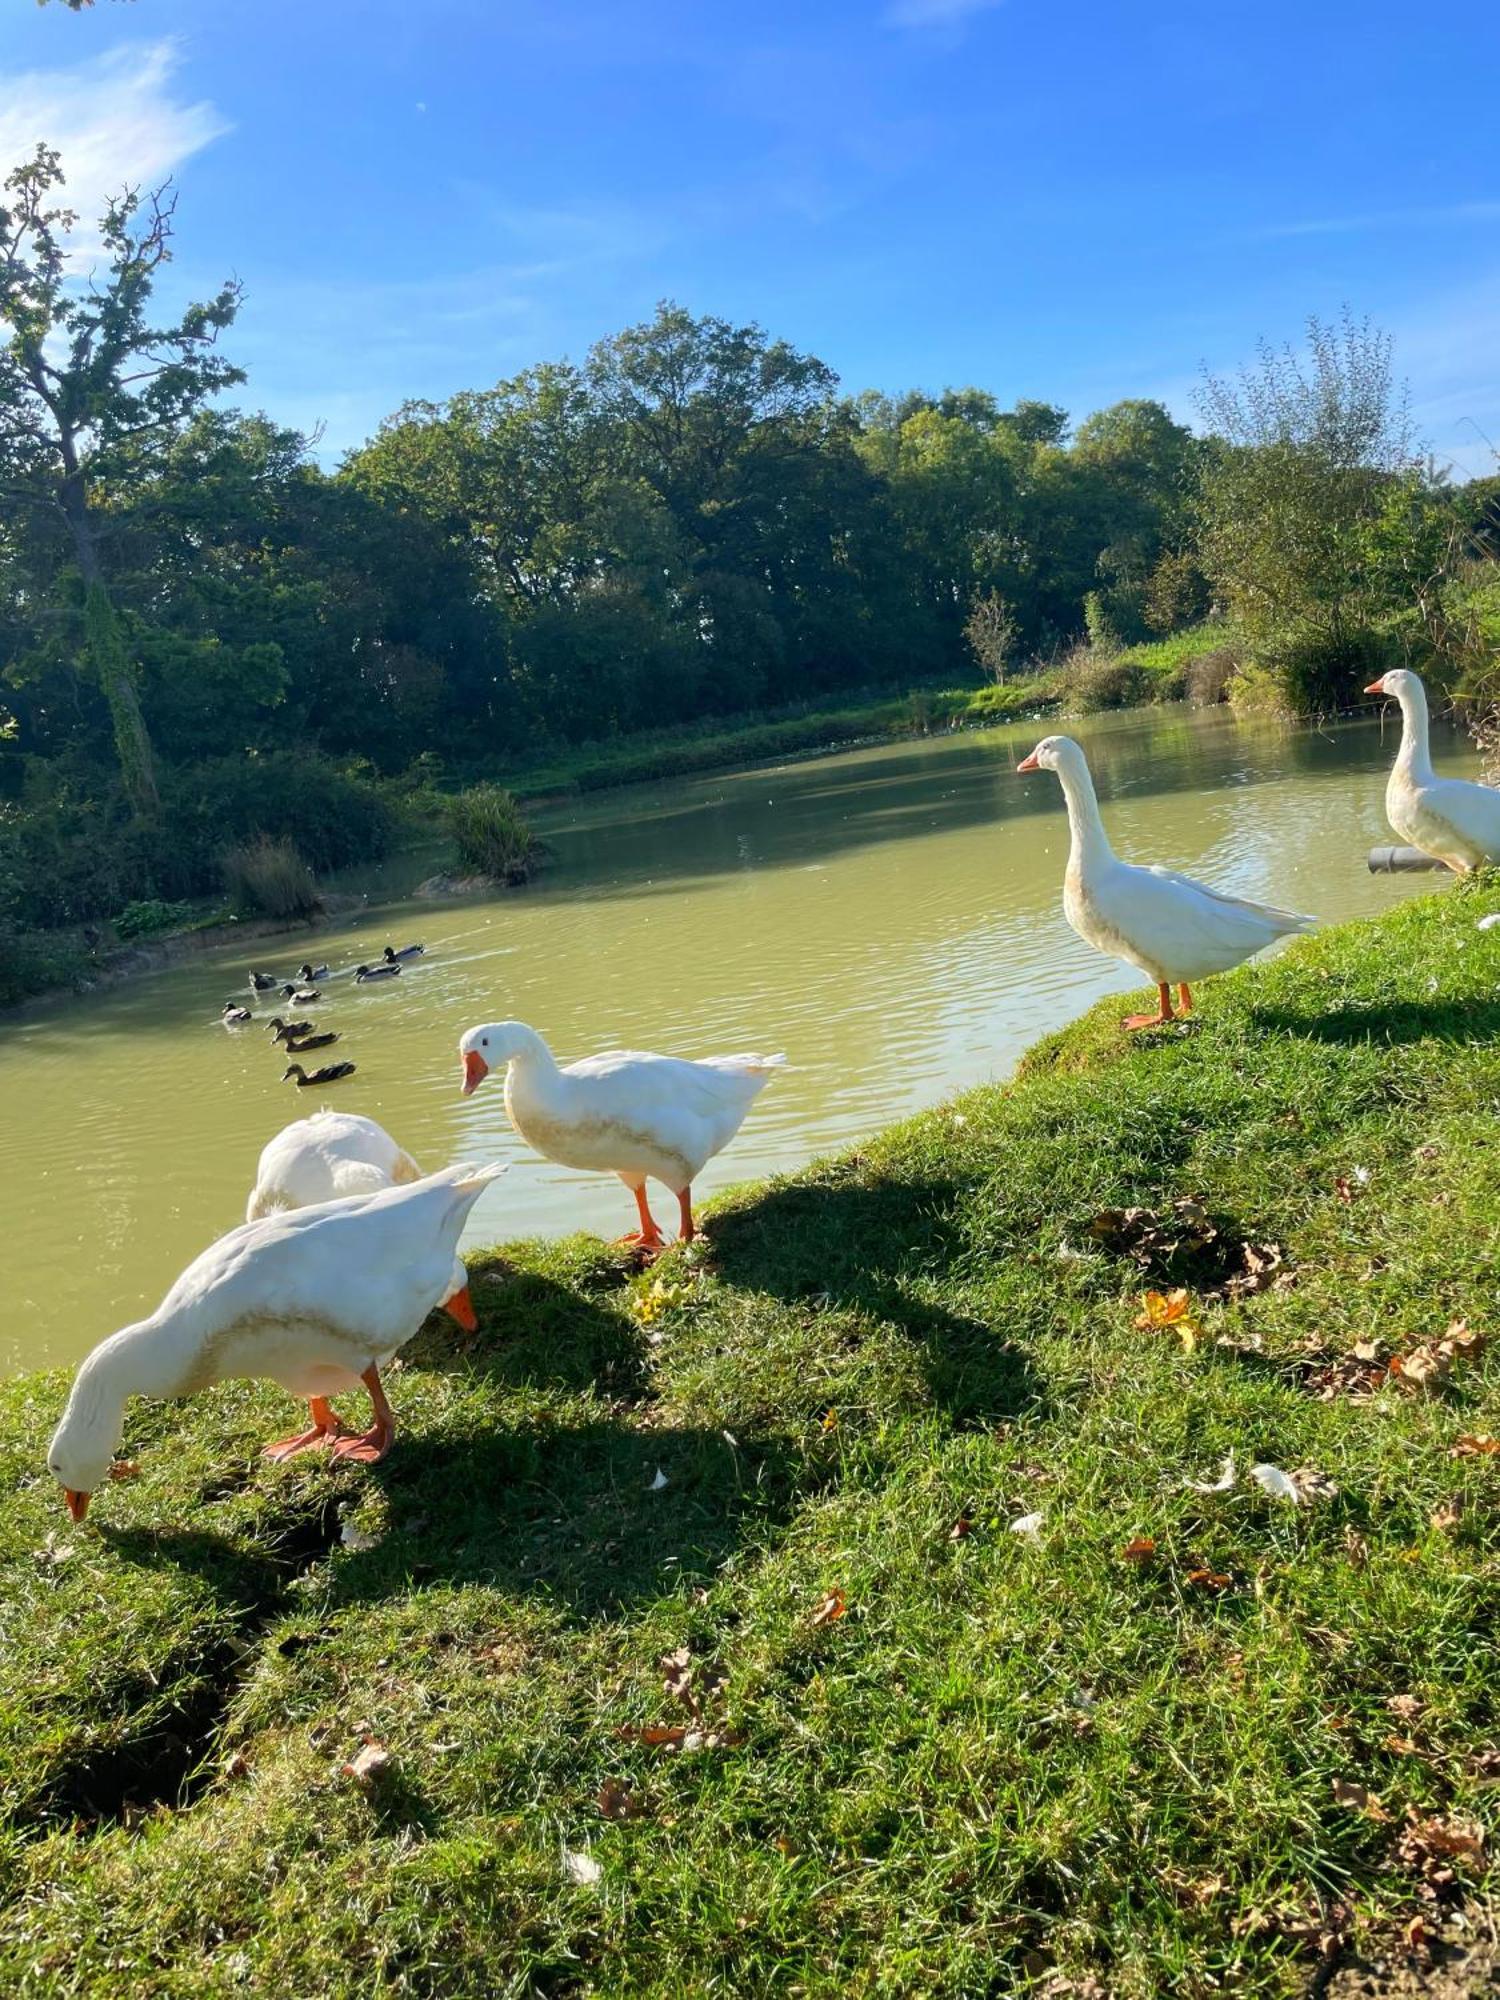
1167,925
639,1116
1449,818
333,1154
318,1300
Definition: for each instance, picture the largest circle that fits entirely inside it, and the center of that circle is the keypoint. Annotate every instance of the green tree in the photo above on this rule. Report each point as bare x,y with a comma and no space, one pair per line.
88,387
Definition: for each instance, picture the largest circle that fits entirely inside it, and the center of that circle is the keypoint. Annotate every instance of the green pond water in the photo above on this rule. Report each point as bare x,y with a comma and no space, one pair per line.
891,918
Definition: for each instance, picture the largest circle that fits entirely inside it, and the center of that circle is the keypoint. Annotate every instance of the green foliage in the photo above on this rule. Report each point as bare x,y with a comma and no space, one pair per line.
1015,1762
1087,679
151,917
270,878
490,832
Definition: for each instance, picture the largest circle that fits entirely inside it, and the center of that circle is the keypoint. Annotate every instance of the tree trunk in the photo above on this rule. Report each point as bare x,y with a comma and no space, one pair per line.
105,647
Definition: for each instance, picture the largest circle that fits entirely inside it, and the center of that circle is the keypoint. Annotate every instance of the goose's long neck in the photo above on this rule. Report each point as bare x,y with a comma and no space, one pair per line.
1414,758
132,1362
1090,843
533,1067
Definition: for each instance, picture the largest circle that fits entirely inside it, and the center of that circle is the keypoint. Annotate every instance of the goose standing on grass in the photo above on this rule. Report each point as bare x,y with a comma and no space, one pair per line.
1166,925
334,1154
639,1116
1449,818
319,1300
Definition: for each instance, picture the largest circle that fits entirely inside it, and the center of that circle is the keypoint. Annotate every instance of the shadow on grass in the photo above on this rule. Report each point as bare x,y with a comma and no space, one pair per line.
536,1333
869,1245
1393,1021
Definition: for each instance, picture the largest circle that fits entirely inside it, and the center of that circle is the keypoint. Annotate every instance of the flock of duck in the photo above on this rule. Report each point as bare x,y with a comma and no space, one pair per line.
347,1245
300,1037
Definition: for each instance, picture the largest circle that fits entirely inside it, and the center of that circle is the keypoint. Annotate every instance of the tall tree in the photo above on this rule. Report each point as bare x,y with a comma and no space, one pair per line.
89,386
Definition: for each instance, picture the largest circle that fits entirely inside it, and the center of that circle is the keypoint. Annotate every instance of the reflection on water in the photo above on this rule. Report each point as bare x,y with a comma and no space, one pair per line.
891,918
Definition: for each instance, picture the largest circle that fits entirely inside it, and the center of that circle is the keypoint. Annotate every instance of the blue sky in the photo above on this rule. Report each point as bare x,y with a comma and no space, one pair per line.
1077,202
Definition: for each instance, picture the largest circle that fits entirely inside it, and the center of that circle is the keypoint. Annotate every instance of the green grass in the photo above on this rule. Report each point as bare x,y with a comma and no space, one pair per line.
1011,1758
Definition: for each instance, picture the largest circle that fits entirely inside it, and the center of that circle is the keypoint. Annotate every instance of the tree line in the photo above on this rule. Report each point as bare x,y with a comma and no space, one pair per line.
205,634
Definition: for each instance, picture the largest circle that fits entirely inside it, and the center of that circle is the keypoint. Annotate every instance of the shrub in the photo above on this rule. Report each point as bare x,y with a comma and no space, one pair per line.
491,834
271,877
1209,675
1302,671
332,819
149,918
1087,680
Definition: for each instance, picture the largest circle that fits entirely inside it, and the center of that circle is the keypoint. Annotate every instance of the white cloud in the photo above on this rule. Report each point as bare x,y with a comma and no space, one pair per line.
115,120
934,13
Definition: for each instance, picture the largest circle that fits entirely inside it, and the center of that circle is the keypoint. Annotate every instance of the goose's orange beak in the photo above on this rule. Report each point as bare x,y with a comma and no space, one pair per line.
462,1308
78,1503
1029,763
1376,687
476,1069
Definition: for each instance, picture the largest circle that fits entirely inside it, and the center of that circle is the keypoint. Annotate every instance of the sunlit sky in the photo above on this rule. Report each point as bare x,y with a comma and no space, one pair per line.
1077,202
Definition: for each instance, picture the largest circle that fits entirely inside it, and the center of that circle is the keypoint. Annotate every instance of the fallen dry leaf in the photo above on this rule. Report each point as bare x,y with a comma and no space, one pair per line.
1169,1312
1447,1514
964,1525
1141,1550
830,1421
1208,1579
1422,1366
236,1765
615,1800
124,1468
677,1673
1356,1548
679,1736
1430,1846
1343,1187
1475,1444
829,1607
1484,1765
1407,1706
369,1765
1358,1798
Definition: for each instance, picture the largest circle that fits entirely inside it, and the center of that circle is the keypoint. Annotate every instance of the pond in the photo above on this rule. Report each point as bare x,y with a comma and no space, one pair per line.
889,917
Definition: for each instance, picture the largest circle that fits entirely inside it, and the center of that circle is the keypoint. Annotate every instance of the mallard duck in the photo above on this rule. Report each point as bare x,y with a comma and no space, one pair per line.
1171,928
311,974
1449,818
284,1031
329,1073
391,955
262,982
301,996
364,973
334,1154
319,1300
298,1045
235,1016
639,1116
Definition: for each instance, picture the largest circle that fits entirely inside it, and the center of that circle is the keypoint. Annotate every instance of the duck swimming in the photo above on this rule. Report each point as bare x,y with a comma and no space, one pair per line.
282,1031
235,1016
1172,928
262,982
391,955
329,1073
297,1045
364,973
311,974
301,996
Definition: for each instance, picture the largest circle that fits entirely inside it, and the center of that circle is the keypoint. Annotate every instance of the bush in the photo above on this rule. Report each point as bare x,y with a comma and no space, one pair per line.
148,919
491,834
333,819
1302,671
1087,680
1209,675
272,878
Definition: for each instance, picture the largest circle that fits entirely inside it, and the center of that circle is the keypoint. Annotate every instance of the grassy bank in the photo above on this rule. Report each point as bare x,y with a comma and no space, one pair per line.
1166,1740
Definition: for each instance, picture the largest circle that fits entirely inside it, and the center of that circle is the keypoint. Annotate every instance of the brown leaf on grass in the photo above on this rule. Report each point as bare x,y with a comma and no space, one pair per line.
679,1736
1208,1579
1423,1366
1447,1514
1484,1765
1169,1312
615,1800
1431,1846
1402,1746
829,1607
964,1525
1152,1235
369,1765
1356,1548
1358,1798
1406,1706
677,1675
1475,1444
1266,1270
124,1468
235,1765
1142,1550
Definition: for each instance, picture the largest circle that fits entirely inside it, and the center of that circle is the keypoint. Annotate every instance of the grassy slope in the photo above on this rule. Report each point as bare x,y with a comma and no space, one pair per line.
1008,1754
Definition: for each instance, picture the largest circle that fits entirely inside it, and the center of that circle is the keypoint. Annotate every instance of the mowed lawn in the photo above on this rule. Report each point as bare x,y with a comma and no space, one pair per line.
688,1633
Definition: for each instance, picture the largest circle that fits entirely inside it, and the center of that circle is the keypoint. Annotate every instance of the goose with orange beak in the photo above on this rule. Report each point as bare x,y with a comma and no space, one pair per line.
1171,928
1449,818
642,1117
319,1300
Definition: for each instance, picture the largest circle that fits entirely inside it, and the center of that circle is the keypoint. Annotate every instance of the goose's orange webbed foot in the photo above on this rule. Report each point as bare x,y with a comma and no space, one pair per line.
326,1427
1159,1019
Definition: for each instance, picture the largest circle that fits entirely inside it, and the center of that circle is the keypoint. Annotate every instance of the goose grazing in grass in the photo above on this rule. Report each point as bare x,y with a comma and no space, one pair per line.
1167,925
334,1154
639,1116
392,956
318,1300
301,996
235,1016
262,982
1449,818
364,973
329,1073
311,974
298,1045
285,1031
